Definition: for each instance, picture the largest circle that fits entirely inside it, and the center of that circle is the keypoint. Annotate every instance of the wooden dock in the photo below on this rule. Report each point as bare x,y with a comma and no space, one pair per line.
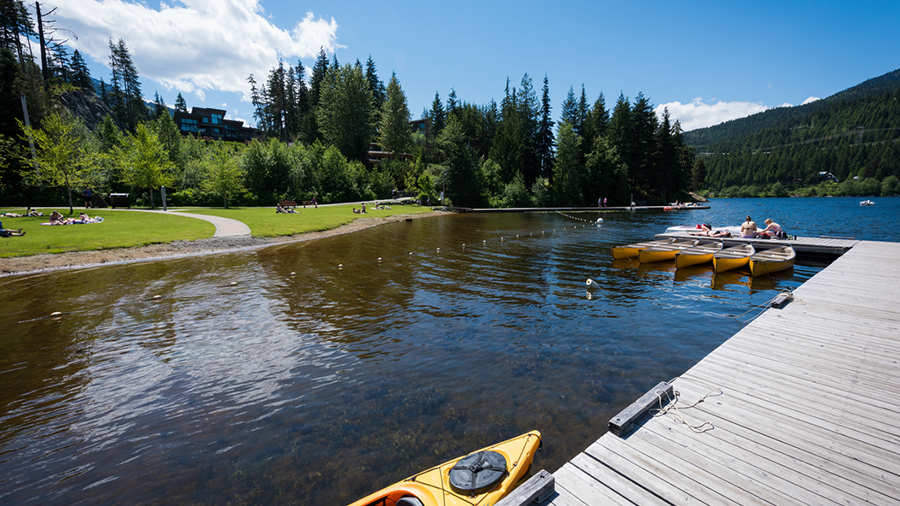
802,245
799,407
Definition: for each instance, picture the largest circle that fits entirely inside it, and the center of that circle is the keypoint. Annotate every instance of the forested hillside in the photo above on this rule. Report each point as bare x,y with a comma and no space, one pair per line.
853,136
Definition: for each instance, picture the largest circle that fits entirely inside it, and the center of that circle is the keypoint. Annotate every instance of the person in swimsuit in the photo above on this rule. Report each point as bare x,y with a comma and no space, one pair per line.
773,229
748,228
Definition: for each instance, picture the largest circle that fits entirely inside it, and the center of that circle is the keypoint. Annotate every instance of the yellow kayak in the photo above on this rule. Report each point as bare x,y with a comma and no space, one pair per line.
772,260
699,254
732,258
632,250
664,251
480,478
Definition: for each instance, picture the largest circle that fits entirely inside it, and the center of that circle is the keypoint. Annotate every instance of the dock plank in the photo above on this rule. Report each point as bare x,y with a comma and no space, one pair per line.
808,410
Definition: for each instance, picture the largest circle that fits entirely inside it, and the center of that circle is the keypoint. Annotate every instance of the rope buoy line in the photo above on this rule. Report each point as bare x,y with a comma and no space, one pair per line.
468,246
574,218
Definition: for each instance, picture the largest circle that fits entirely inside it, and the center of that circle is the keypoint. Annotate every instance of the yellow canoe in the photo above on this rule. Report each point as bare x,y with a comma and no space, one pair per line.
632,250
732,258
435,487
664,251
772,260
699,254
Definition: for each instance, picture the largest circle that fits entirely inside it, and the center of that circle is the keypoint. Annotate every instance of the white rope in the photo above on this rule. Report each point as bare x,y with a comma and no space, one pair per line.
564,215
672,409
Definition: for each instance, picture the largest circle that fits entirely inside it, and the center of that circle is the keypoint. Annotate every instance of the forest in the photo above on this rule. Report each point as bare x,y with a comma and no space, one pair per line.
314,137
846,144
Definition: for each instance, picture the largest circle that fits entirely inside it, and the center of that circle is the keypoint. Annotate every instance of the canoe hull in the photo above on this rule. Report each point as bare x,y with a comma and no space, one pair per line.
758,268
647,256
728,264
686,260
432,486
620,252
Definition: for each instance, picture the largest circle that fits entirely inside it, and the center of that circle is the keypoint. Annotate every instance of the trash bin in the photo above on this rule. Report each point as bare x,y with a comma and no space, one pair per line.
119,200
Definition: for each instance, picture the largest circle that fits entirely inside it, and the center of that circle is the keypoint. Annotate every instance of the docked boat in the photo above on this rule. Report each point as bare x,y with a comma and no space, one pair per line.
733,257
772,260
665,251
483,477
632,250
696,255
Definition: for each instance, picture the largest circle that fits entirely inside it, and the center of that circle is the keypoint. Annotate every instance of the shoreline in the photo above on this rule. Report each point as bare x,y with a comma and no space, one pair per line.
71,260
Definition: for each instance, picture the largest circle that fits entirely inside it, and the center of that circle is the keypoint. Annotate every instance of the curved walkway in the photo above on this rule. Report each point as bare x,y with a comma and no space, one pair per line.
225,227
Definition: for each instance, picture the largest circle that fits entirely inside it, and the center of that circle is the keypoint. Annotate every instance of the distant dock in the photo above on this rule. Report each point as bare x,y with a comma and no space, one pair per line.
796,408
802,245
571,209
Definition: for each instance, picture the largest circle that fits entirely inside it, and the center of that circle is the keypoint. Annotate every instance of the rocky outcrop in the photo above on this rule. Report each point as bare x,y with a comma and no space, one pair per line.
86,105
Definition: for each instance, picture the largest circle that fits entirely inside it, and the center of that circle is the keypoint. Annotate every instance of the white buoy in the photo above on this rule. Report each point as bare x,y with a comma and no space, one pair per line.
484,241
233,283
517,236
589,295
410,253
591,284
293,273
156,297
438,250
56,313
379,259
599,221
340,266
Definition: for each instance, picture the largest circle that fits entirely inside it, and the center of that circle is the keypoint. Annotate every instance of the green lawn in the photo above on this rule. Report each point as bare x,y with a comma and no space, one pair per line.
119,229
264,222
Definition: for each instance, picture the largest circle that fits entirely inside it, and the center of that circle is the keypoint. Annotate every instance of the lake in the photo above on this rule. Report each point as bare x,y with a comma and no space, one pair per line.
318,372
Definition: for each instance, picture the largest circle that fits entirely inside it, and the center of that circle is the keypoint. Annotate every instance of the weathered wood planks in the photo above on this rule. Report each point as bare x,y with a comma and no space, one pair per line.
808,411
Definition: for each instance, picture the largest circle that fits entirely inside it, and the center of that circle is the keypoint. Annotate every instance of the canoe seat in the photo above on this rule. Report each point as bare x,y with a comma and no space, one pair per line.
409,501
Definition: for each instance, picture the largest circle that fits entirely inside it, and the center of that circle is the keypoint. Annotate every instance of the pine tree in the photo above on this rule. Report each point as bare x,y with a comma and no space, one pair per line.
395,131
527,110
375,84
570,109
180,104
620,133
81,76
452,103
159,106
345,114
545,132
643,129
438,117
104,95
567,171
597,120
582,114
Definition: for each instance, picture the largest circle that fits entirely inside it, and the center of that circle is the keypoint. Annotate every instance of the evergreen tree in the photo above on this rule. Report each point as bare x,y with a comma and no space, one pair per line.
666,174
180,104
452,103
545,132
567,171
570,109
698,175
459,158
620,133
104,95
607,175
582,114
597,121
375,84
319,71
438,117
81,76
345,114
395,132
127,101
643,169
159,106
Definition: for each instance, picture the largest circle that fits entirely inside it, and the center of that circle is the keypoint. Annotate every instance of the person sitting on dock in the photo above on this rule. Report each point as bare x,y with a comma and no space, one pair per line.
773,230
748,229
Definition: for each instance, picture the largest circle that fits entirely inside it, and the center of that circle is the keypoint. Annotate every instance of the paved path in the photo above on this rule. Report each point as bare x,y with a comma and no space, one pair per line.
225,227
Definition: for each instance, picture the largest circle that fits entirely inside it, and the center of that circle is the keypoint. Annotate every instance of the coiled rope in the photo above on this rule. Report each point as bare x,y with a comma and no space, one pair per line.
672,409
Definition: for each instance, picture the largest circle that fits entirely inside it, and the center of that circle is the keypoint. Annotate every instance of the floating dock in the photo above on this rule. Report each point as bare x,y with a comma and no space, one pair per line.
796,408
802,245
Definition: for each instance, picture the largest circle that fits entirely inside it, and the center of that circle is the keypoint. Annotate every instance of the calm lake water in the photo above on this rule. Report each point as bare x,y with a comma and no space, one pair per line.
243,383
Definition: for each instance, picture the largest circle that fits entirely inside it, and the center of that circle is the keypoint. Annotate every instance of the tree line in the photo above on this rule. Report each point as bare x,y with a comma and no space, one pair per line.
316,133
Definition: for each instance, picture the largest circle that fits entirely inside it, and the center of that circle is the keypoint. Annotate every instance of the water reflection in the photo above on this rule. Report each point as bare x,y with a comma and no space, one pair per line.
276,376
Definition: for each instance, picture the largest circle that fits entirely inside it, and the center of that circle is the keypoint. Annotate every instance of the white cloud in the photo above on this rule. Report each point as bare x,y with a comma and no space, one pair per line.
810,100
196,45
699,114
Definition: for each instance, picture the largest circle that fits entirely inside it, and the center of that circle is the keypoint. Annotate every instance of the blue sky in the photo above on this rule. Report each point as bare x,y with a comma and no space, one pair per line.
706,61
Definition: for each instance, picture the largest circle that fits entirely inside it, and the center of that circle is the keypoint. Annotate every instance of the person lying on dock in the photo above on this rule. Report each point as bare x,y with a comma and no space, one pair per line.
707,230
